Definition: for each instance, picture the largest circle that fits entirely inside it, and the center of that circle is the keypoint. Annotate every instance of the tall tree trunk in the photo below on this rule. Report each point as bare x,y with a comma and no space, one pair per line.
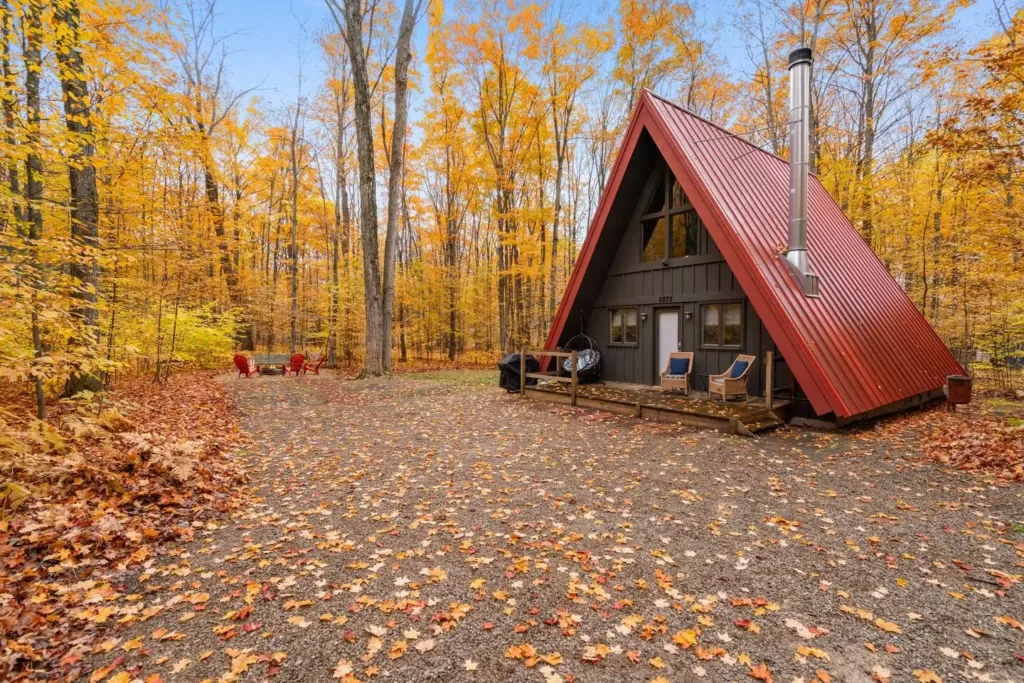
32,24
347,249
404,256
378,300
174,329
293,252
403,56
865,162
217,215
504,338
332,334
352,27
82,182
451,262
1017,225
451,275
160,323
10,112
940,177
561,149
542,227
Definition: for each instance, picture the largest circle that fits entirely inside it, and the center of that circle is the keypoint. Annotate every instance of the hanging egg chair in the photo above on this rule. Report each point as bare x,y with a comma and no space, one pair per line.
588,358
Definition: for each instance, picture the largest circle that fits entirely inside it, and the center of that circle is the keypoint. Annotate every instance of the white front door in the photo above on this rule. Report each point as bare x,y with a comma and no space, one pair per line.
668,336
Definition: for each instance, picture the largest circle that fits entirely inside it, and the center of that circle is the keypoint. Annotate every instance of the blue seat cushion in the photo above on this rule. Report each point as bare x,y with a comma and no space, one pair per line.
678,366
738,368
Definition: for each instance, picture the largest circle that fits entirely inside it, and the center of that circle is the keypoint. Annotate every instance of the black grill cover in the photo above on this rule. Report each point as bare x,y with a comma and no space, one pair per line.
509,366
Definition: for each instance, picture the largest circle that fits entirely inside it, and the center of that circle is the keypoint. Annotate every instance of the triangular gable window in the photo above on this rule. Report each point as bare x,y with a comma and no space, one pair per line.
669,232
656,203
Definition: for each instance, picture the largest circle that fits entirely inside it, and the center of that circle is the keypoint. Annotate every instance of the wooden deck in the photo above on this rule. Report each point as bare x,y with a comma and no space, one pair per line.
735,417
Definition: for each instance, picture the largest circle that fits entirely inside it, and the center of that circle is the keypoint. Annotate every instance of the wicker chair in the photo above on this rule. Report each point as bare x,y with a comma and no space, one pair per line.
672,381
732,382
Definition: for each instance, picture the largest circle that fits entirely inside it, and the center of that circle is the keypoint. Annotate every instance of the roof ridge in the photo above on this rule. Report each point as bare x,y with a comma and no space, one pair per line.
720,127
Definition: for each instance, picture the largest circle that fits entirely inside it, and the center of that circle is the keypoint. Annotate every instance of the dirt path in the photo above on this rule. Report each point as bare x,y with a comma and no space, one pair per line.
422,530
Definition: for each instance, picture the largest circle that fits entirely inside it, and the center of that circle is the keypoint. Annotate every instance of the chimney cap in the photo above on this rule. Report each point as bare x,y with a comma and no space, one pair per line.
800,55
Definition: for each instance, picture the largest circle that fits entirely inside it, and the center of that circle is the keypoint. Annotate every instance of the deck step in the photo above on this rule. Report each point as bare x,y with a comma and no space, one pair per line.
761,423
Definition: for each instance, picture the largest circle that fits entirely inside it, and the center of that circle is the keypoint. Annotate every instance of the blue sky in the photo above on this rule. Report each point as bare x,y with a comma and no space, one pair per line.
273,37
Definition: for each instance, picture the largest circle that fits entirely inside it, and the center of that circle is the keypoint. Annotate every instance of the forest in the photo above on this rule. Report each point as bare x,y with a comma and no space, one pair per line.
409,207
426,196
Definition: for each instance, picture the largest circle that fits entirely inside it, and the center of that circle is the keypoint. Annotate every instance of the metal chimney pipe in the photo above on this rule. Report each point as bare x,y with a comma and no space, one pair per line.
799,166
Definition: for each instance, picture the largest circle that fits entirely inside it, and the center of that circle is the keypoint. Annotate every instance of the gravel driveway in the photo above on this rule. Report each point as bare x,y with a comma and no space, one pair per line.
437,530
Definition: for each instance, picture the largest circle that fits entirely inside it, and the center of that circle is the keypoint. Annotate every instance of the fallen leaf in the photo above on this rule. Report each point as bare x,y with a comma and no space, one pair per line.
398,649
804,651
300,622
342,668
800,629
761,673
888,626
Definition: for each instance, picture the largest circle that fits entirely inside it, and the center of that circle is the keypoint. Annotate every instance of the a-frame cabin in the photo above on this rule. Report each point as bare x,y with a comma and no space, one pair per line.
687,250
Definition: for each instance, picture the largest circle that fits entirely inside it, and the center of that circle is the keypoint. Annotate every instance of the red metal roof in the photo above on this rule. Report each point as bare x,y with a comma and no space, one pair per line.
863,344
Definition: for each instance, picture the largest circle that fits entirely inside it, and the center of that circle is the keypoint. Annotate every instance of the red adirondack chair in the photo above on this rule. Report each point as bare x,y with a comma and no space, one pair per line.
297,364
245,367
315,367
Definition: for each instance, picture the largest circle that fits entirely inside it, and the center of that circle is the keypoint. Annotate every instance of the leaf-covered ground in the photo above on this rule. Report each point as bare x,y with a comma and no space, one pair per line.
433,529
95,494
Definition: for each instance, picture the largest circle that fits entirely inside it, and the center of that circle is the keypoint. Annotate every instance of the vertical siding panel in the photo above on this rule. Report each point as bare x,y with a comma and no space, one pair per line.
639,368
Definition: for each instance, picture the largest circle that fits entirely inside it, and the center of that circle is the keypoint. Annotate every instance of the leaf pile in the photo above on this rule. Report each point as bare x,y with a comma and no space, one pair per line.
105,493
988,445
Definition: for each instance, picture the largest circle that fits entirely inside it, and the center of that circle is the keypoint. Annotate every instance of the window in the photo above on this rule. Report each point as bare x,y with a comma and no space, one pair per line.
656,203
623,328
671,228
654,240
722,325
679,199
684,234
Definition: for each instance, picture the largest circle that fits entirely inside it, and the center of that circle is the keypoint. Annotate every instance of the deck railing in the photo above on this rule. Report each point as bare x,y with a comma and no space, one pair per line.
556,376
